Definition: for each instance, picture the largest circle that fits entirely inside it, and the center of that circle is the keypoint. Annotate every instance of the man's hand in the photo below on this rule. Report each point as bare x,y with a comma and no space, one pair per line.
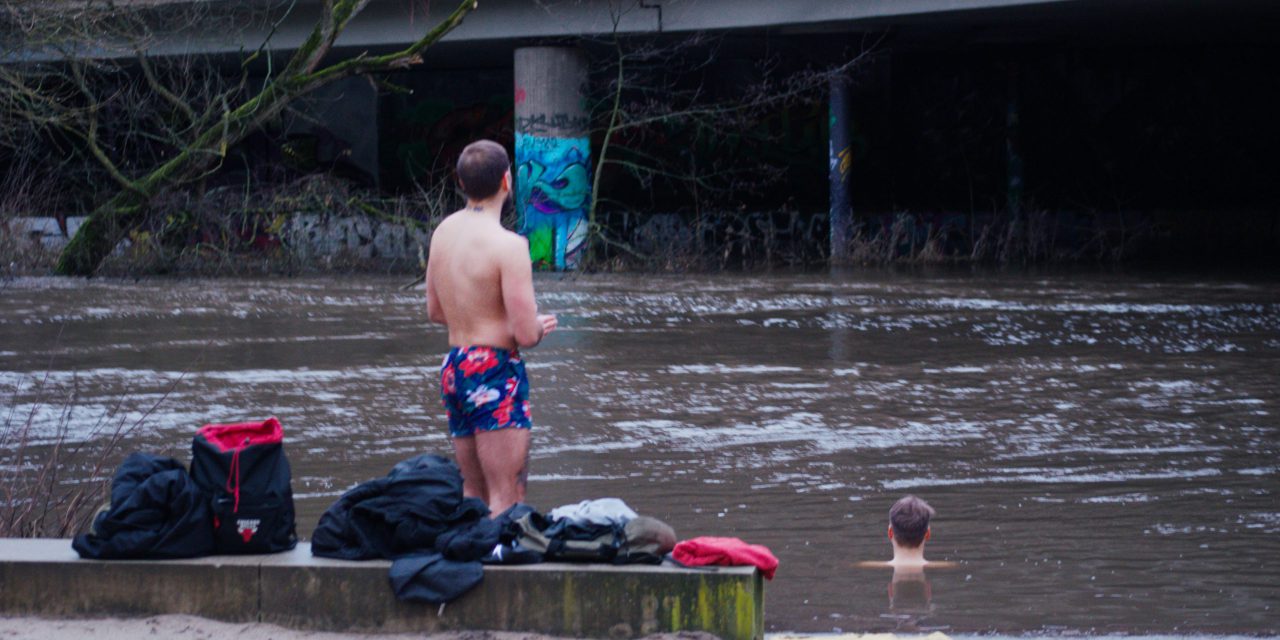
548,322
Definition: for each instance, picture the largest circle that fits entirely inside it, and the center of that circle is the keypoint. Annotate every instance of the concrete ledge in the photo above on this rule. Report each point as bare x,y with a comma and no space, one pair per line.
46,578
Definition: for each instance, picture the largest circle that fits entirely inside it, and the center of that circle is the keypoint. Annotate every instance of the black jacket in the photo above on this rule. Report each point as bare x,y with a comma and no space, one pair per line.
417,516
397,515
156,512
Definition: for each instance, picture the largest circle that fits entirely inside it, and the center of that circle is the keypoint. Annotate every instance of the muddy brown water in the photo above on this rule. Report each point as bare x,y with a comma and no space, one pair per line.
1101,449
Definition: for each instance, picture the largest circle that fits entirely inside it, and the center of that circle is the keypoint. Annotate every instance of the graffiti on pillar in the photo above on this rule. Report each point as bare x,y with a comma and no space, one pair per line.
552,195
839,160
543,123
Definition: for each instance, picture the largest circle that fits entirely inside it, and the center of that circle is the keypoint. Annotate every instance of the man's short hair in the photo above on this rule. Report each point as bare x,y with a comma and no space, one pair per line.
909,518
480,168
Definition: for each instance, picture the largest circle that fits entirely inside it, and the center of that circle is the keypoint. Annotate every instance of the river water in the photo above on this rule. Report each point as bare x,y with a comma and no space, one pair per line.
1101,449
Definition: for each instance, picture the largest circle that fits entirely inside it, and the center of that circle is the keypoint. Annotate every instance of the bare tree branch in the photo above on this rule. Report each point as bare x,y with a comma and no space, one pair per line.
164,121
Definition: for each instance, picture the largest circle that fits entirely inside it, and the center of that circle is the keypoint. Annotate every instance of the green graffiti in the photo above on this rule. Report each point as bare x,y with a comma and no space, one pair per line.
553,190
542,250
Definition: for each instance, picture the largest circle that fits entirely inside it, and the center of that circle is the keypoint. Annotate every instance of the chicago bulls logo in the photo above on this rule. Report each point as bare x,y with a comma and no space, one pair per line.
247,528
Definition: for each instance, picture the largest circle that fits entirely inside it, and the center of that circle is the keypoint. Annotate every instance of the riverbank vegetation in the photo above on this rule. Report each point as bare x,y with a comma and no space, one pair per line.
91,85
56,464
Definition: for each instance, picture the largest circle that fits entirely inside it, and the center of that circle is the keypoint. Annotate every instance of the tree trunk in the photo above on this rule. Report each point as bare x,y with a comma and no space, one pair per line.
109,222
100,233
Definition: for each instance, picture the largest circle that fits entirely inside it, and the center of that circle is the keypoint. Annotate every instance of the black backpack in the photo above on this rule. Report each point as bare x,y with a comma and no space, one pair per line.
243,470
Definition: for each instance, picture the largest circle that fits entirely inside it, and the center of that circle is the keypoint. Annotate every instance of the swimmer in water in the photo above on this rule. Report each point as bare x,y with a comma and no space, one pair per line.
908,531
909,589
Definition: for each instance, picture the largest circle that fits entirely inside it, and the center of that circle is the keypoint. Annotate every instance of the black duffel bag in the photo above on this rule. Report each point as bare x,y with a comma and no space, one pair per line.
243,470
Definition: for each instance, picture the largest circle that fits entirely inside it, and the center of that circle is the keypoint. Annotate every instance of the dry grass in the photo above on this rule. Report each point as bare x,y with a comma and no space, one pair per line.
52,486
20,253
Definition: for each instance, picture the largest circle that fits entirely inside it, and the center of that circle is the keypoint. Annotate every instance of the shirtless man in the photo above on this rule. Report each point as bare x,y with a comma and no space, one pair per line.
480,285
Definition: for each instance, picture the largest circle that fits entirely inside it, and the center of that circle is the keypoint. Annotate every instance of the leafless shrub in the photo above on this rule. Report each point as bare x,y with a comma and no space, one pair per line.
52,485
646,88
21,251
114,89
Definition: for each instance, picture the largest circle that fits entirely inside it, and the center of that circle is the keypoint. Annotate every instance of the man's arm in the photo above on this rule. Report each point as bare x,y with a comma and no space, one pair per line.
527,327
435,312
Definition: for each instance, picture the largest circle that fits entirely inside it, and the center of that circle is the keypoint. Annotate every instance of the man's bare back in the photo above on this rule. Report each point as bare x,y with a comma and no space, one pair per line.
480,284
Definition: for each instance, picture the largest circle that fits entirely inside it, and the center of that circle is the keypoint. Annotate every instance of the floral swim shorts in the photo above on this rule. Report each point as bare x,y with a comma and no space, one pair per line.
484,389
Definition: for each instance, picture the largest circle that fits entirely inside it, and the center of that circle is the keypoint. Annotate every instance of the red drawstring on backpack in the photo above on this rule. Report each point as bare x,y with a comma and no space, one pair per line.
234,472
236,438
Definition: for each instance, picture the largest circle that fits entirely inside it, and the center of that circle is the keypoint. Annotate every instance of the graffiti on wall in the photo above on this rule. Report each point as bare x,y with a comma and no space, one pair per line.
541,123
553,191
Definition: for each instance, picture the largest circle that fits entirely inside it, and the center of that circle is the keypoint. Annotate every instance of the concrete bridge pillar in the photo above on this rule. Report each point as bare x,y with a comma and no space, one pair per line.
553,153
839,161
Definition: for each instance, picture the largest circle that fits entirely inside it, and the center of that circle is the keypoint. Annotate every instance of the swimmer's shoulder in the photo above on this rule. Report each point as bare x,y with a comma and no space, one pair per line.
874,564
888,564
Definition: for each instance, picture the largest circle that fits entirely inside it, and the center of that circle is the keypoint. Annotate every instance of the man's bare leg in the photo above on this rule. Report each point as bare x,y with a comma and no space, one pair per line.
504,457
473,485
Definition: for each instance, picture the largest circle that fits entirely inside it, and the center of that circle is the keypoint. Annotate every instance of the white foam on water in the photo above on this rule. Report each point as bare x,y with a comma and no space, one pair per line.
294,376
703,409
569,477
1168,529
722,369
800,427
780,322
650,424
1173,386
1259,471
1113,451
89,421
1118,499
1043,478
1111,308
541,451
317,494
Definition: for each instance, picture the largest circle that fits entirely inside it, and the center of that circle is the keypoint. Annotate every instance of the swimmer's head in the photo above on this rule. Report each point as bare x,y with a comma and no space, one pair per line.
482,167
909,521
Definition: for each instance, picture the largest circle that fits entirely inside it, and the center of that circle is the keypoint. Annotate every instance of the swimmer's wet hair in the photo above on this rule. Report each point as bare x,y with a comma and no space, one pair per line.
480,168
909,518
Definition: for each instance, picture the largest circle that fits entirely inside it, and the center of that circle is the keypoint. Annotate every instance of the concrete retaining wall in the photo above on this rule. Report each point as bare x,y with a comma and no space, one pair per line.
307,235
293,589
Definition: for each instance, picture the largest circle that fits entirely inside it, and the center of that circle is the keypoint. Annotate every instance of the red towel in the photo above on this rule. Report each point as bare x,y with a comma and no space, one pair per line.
725,551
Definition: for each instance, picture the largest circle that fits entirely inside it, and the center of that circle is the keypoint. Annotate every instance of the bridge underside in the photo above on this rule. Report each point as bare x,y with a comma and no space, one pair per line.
1157,114
1156,111
821,28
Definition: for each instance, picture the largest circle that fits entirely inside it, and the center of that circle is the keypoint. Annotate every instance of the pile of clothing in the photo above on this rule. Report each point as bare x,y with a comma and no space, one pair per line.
237,498
439,541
